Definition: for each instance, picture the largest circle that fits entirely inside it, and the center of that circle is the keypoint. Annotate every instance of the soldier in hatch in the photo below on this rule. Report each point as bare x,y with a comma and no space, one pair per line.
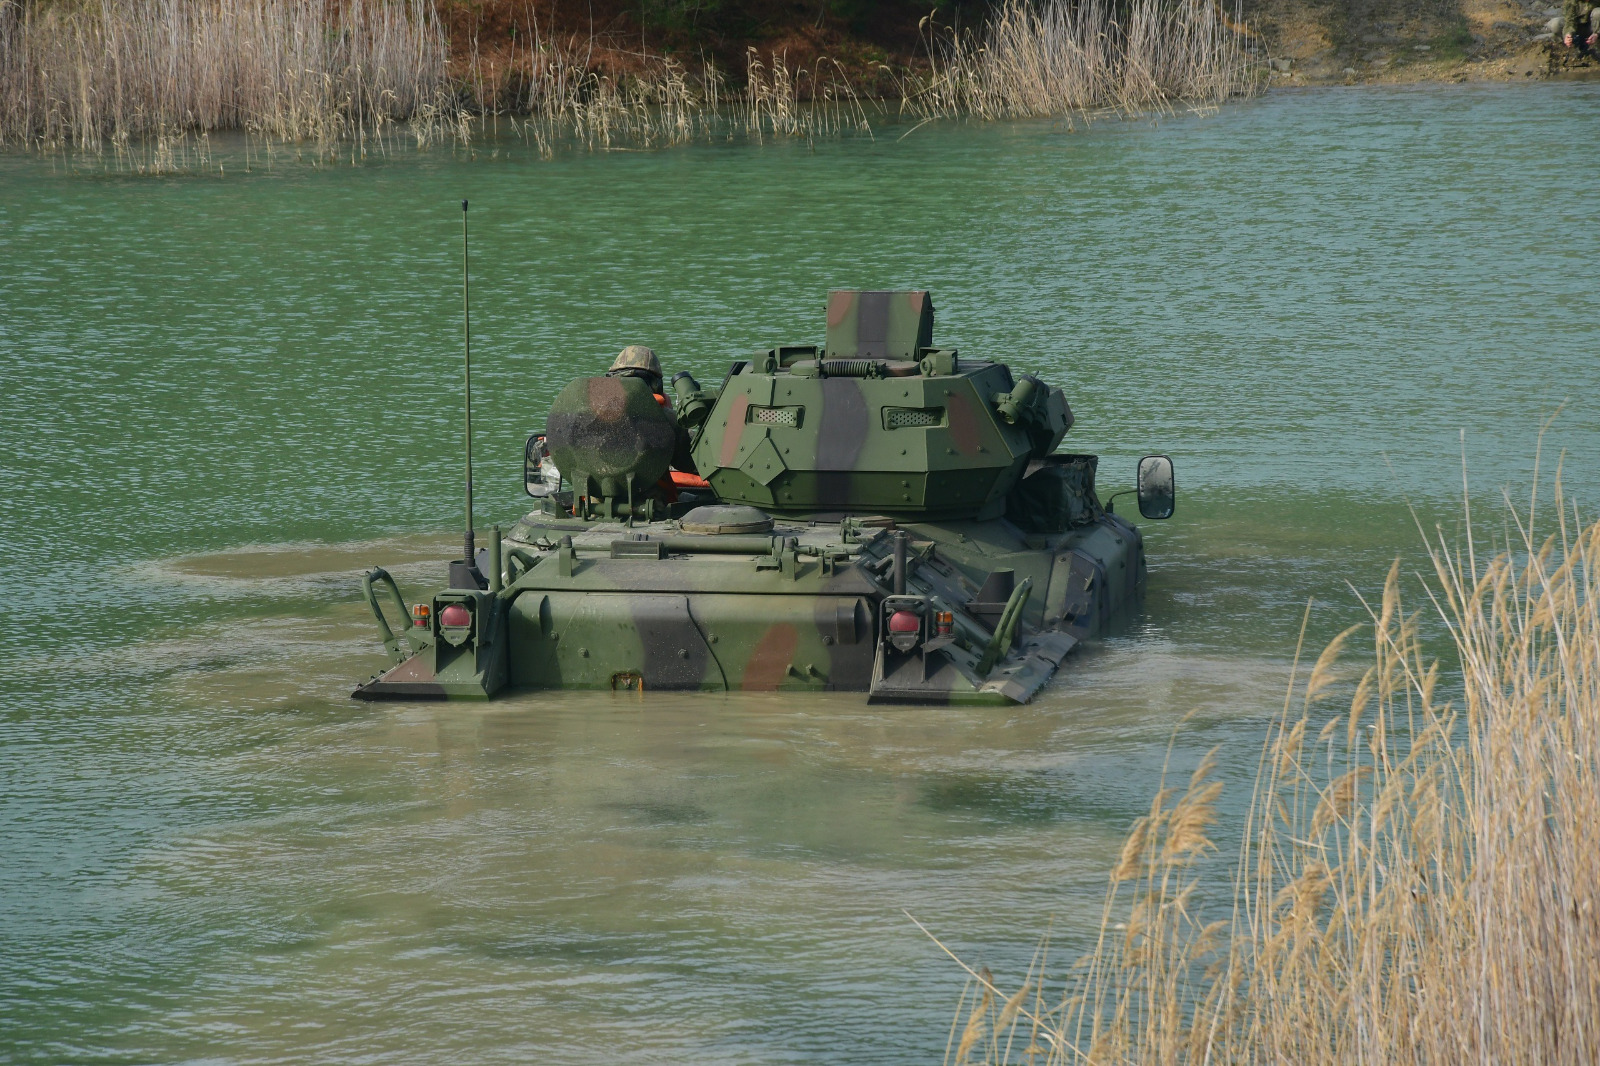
1580,24
638,361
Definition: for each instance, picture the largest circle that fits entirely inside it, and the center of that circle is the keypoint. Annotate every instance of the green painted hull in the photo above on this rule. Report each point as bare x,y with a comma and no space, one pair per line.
873,515
649,608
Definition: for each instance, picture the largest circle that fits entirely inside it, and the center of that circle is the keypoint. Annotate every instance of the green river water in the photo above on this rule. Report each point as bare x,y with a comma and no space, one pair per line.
225,395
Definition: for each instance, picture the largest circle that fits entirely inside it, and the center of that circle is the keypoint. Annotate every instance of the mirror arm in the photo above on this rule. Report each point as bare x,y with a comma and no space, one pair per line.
1109,499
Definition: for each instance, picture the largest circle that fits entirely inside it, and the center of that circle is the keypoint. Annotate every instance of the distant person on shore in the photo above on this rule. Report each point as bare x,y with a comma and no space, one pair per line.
1580,23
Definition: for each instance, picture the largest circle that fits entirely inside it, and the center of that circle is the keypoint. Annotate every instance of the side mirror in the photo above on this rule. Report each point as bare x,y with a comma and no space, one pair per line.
539,475
1158,492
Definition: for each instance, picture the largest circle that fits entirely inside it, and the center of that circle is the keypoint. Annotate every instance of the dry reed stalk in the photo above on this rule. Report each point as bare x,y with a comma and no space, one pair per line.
563,100
1060,57
781,102
288,70
662,103
152,77
1418,879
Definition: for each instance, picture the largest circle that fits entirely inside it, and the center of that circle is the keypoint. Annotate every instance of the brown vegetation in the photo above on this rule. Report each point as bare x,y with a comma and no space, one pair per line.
334,71
1419,879
340,72
1057,58
286,70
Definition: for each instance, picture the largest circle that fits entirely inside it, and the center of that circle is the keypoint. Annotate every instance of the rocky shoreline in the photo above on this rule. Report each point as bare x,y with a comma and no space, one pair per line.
1295,42
1403,43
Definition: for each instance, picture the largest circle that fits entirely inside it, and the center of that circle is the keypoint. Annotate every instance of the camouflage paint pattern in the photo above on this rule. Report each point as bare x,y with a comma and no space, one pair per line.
610,435
897,440
638,357
880,325
1579,19
1006,555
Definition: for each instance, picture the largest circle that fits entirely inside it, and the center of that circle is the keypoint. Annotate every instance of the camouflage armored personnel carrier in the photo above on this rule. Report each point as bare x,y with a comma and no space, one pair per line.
877,514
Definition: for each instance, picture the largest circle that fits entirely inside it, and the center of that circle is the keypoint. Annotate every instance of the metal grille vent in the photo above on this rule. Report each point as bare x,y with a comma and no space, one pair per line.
776,416
912,417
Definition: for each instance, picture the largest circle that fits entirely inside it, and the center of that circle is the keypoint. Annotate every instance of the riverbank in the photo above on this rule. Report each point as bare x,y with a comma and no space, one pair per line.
646,74
875,48
309,71
1413,41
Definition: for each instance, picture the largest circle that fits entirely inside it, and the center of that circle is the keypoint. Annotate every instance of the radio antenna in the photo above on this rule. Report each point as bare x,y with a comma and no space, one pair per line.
466,343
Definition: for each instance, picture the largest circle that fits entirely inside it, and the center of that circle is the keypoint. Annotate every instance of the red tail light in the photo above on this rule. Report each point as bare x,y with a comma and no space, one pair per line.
455,615
904,622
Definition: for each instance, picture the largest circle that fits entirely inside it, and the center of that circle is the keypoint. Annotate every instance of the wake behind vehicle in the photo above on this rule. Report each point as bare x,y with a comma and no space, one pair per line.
873,514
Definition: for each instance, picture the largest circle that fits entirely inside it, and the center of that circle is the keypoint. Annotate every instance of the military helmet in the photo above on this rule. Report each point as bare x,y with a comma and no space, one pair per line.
637,357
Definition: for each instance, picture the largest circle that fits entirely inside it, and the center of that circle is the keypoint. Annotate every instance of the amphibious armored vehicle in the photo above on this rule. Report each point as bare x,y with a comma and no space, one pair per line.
876,514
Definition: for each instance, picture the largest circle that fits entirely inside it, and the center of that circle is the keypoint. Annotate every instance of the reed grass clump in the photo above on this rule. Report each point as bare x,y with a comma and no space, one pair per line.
79,75
1418,878
83,74
554,96
137,73
1060,57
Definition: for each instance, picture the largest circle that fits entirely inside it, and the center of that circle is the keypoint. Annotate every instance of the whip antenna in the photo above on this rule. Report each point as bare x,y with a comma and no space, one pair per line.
466,343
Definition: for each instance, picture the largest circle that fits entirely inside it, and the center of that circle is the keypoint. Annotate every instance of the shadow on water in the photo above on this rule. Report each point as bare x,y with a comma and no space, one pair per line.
1017,798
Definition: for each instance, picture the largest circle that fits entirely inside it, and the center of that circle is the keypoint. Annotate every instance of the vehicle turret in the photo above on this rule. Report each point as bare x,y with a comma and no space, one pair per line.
877,421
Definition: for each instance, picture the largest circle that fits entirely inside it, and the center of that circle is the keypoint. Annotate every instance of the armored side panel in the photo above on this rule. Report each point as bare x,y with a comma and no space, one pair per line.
879,325
810,607
664,641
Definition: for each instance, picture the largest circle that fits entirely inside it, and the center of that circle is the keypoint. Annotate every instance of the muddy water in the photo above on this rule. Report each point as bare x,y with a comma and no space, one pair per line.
224,396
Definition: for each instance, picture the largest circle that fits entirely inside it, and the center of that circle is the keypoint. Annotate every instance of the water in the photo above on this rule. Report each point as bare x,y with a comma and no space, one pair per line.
225,395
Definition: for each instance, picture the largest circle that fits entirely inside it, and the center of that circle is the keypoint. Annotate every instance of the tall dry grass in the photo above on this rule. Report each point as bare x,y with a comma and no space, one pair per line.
87,73
553,96
289,70
125,72
1419,876
1059,57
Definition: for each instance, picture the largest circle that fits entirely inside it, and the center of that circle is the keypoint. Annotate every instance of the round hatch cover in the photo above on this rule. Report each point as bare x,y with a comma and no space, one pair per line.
726,518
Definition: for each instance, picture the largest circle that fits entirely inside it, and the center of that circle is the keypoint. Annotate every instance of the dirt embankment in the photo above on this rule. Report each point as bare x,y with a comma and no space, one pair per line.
1321,42
870,42
867,40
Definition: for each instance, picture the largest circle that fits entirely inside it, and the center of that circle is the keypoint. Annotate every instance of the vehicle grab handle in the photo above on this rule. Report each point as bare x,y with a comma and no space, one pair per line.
391,643
1006,629
519,561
